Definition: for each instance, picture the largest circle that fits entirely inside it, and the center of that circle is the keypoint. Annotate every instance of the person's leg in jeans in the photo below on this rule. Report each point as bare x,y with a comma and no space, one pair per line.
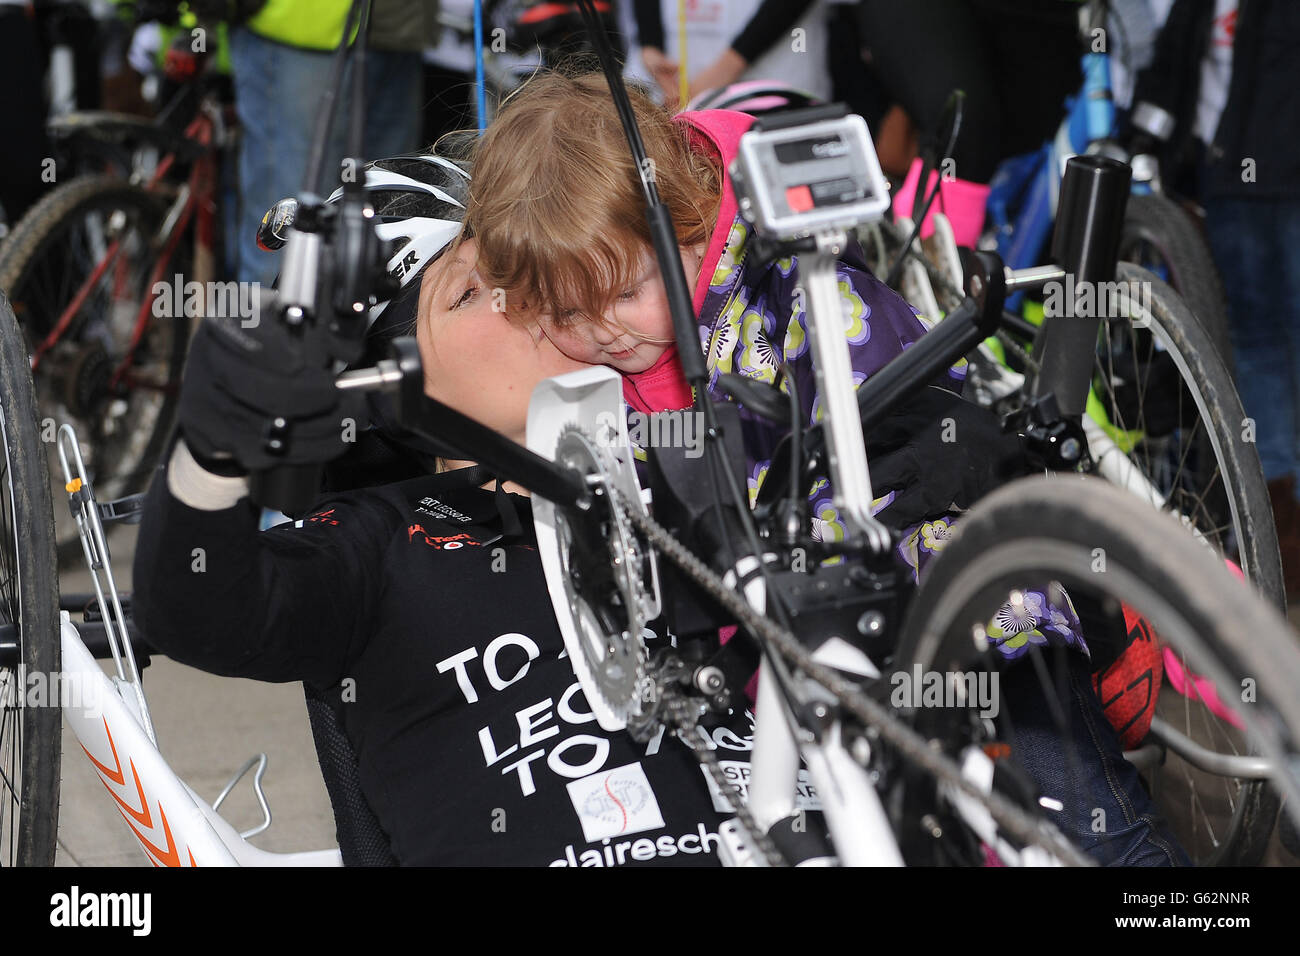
1066,744
1263,324
277,95
1283,288
1253,243
395,95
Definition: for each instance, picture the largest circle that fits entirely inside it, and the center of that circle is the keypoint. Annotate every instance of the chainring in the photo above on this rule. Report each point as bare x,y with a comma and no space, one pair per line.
610,579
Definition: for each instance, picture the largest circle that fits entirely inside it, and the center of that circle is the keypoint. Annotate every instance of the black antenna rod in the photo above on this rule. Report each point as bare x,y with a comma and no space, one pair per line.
311,181
662,233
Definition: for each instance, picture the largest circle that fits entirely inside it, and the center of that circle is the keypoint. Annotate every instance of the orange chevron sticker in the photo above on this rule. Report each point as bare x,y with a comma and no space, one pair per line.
144,816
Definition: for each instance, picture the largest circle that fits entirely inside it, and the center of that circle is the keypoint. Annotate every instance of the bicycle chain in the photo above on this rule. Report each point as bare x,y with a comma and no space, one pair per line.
910,744
686,717
689,732
1011,345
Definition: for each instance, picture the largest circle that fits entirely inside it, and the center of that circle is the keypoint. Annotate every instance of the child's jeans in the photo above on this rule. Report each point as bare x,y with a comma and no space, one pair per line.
1107,813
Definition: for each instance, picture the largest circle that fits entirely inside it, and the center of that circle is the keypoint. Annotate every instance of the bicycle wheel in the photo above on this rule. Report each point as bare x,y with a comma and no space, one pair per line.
1161,237
1163,398
1062,552
29,621
79,270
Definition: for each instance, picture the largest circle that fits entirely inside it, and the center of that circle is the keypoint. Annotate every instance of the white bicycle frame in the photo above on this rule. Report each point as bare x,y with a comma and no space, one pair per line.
110,719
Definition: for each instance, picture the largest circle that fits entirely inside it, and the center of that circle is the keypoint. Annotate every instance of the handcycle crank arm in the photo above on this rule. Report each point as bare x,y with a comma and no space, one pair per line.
964,328
401,374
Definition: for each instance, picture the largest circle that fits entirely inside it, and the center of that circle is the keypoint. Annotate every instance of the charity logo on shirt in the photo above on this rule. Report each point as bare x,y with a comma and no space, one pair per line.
615,802
447,542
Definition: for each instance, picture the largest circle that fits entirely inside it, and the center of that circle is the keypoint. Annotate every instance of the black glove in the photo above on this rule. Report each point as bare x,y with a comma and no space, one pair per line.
939,451
239,381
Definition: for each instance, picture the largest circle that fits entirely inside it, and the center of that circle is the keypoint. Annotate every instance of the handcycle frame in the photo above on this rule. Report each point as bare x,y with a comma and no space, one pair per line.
175,827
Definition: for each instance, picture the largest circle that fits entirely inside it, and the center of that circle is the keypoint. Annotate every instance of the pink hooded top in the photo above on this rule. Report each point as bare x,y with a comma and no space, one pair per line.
663,385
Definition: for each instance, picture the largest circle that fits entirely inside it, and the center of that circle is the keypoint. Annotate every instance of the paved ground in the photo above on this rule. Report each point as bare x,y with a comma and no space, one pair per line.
208,726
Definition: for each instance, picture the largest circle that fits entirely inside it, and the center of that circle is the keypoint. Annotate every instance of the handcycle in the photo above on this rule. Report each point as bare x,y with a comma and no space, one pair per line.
846,737
102,273
1160,414
1162,420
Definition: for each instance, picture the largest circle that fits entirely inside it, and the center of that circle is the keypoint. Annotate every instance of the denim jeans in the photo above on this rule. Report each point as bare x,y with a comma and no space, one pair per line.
1106,811
1256,245
277,96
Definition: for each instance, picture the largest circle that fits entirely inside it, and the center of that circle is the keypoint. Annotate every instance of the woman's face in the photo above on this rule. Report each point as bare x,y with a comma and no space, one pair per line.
476,359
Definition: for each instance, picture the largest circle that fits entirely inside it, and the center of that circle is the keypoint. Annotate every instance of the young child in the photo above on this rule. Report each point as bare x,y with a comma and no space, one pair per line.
562,229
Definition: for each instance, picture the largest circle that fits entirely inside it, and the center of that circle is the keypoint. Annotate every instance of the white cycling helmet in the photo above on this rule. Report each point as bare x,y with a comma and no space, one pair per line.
419,202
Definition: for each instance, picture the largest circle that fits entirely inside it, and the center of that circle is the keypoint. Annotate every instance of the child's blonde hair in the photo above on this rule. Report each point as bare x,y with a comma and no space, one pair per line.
556,201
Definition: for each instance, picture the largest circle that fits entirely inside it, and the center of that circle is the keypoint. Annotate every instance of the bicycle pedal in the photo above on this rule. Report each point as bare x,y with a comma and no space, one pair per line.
126,510
91,612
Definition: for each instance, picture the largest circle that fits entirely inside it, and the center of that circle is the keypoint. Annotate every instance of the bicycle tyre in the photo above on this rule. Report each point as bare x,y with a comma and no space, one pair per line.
29,806
1206,377
44,233
1163,225
1053,527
